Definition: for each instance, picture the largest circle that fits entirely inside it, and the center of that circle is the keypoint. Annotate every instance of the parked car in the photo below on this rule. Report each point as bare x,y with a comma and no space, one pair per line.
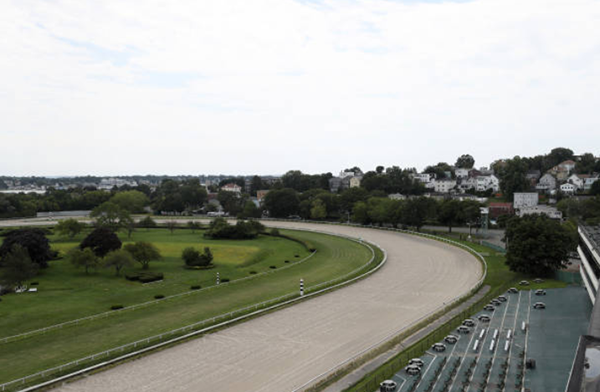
463,329
469,322
416,361
540,292
489,308
539,305
388,386
524,283
438,347
513,290
502,298
495,302
413,370
451,339
484,318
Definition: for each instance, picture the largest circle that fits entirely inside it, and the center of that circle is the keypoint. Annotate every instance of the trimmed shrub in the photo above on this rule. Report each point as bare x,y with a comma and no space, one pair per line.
296,255
272,267
116,307
145,277
198,287
220,229
312,250
287,261
159,296
224,280
193,257
252,272
34,283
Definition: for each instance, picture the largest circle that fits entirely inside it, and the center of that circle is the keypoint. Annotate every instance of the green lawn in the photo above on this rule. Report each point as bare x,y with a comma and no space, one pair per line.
66,293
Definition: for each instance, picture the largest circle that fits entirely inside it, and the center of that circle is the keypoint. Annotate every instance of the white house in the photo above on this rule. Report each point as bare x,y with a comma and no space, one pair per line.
487,182
525,199
550,212
577,179
461,172
232,187
568,188
397,196
588,182
444,185
355,181
424,178
546,183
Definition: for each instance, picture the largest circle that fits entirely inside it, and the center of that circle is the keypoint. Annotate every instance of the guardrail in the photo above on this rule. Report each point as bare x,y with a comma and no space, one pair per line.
219,321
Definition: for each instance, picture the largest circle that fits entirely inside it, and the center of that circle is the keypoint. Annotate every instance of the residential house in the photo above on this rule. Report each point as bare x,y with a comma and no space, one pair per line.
260,195
550,212
232,187
424,178
355,181
578,180
444,185
568,189
562,170
487,182
547,183
525,199
334,184
461,172
499,209
588,182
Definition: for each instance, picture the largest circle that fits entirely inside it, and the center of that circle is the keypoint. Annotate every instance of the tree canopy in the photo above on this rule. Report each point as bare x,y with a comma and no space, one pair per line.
538,245
33,240
102,241
465,161
143,253
17,267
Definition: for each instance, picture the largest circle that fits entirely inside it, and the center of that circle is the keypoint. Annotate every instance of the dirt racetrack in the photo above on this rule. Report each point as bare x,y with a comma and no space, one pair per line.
282,350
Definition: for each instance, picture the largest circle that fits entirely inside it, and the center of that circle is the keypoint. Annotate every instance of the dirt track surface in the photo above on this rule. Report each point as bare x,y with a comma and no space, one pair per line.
282,350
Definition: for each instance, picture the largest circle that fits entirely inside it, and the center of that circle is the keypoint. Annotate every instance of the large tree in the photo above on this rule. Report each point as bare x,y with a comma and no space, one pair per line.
34,240
538,245
102,241
118,259
282,203
451,213
17,267
143,253
465,161
513,176
131,201
83,258
111,215
69,227
414,212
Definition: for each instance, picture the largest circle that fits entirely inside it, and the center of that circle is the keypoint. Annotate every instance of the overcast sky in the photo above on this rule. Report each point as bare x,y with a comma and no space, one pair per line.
265,86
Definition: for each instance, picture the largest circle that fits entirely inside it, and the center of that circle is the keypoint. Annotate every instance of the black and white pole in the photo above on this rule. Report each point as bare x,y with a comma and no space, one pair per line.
218,279
301,287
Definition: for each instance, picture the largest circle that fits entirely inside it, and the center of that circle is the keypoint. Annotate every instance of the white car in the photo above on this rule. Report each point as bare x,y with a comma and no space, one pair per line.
463,329
388,386
438,347
540,292
484,318
469,322
451,339
513,290
413,370
489,308
539,305
417,362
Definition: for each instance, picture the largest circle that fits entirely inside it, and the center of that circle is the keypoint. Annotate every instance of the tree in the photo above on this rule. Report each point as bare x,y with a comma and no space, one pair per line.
379,169
414,212
34,240
465,161
586,164
83,258
538,245
595,190
111,215
68,227
118,259
439,170
131,201
513,176
194,226
451,213
282,203
171,225
250,210
471,213
143,253
360,213
18,266
318,210
147,222
101,241
193,257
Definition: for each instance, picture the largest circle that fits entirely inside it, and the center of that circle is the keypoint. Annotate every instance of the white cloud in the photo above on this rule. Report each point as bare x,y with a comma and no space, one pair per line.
265,86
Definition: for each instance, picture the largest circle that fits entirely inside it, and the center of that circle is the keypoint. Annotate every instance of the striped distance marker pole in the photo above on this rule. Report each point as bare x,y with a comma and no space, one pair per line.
301,287
218,278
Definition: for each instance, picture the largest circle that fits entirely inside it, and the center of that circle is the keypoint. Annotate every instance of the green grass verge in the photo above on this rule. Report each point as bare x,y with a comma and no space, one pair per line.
335,257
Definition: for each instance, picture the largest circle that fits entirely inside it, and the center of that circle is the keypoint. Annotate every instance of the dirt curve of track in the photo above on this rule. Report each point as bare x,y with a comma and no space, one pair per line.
281,351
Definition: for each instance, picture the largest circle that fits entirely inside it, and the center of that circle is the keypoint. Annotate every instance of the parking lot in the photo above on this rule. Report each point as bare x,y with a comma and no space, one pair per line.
494,355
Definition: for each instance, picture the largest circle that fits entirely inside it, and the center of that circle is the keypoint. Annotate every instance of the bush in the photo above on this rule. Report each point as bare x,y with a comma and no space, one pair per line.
224,280
273,267
287,261
312,250
275,232
116,307
220,229
34,283
193,257
145,277
252,272
296,255
159,296
195,287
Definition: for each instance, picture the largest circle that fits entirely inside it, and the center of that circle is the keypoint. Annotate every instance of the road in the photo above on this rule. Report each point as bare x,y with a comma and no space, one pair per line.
283,350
